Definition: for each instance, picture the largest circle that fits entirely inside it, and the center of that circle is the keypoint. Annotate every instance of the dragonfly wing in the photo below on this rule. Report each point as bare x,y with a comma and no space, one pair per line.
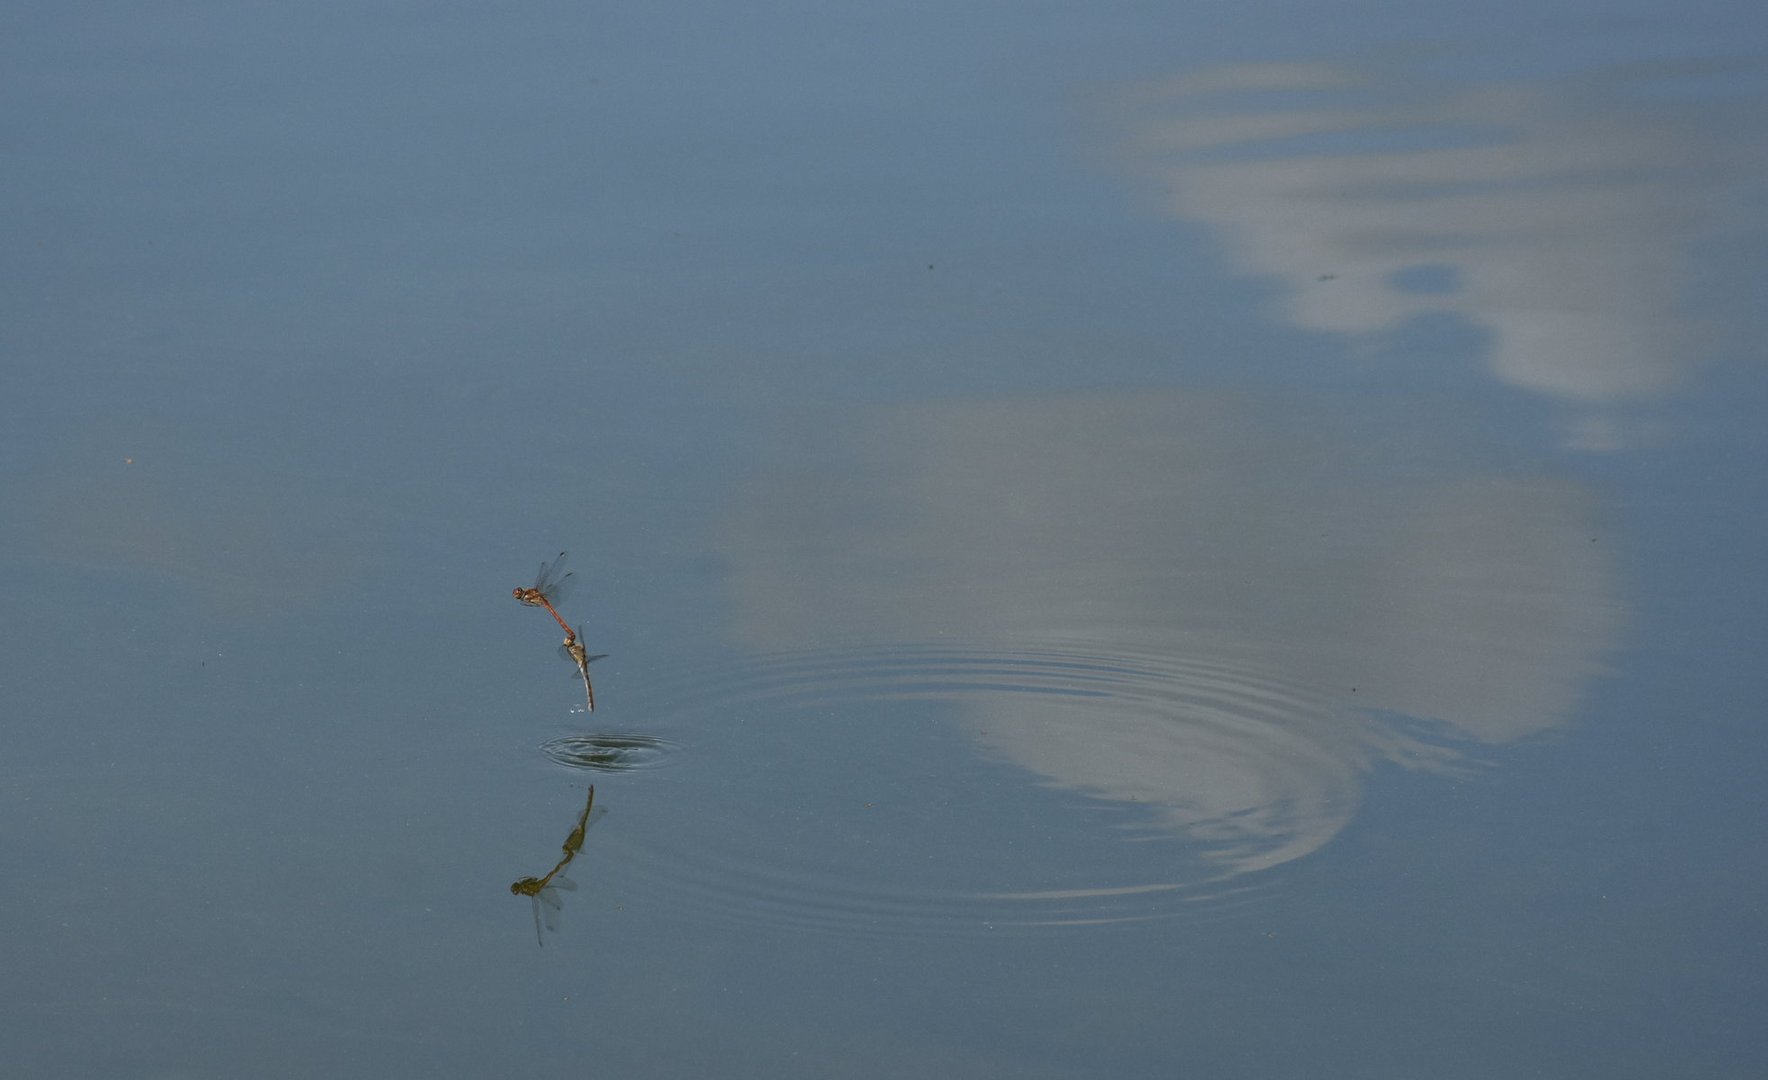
553,903
565,654
553,581
559,589
548,571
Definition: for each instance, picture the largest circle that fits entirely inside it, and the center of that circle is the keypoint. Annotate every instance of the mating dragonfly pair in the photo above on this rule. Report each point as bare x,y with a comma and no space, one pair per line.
544,891
550,585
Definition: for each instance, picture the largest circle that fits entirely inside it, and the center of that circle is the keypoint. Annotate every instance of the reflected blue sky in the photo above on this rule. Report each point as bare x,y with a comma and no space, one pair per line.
1307,467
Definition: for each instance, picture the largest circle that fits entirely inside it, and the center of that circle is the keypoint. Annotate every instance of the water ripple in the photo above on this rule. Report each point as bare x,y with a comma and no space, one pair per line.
931,789
609,752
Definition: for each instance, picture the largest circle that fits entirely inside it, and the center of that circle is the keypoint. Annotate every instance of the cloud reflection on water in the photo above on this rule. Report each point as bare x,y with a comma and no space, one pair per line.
1558,217
1297,589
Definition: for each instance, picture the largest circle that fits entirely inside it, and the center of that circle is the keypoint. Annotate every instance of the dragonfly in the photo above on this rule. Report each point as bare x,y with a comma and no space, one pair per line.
547,902
548,586
544,890
574,651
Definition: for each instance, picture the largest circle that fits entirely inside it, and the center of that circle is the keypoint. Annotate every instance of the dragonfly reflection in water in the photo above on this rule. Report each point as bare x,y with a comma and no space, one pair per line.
549,585
544,890
574,651
546,902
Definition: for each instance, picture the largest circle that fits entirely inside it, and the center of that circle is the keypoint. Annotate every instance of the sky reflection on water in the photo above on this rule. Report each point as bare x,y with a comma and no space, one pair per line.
1335,583
1559,217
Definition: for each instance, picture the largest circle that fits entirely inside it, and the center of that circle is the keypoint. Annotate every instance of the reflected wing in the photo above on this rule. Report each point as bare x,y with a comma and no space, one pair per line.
548,903
551,892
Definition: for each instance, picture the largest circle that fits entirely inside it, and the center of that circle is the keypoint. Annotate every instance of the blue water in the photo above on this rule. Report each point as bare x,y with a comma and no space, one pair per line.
1129,541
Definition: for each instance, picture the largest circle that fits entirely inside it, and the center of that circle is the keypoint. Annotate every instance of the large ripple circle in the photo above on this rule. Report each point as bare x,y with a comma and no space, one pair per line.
935,789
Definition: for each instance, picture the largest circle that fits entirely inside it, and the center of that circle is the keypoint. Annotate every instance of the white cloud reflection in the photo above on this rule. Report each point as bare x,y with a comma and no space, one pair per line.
1557,217
1236,597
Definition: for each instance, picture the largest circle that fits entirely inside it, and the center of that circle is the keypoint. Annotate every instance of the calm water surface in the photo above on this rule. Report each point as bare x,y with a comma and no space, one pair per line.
1131,541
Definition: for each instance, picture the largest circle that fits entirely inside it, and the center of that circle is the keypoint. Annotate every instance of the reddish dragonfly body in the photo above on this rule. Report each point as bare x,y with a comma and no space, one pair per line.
548,585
